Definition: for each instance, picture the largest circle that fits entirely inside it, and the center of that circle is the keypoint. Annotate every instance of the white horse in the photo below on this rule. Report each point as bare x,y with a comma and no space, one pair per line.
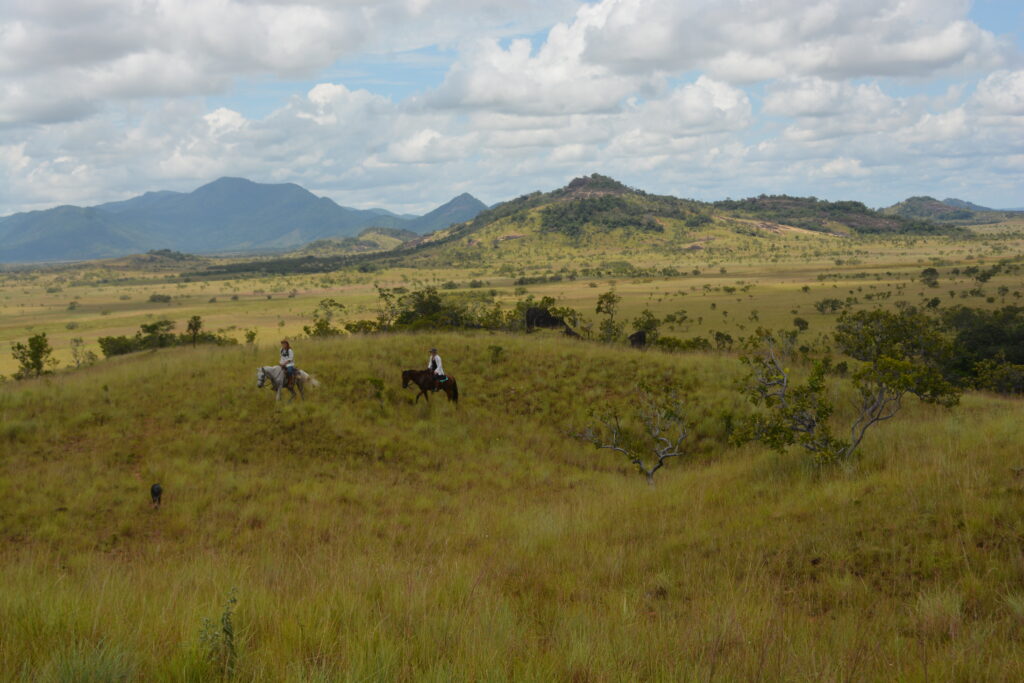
275,373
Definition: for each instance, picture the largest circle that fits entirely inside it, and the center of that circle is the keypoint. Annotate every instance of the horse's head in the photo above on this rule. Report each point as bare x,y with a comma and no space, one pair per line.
261,377
406,378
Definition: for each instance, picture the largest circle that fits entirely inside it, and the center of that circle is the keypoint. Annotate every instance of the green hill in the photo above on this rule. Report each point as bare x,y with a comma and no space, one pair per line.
820,215
368,241
366,537
930,208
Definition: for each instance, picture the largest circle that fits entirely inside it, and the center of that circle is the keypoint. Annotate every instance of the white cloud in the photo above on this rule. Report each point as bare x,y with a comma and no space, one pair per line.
553,80
1001,92
844,167
703,106
98,99
742,41
61,60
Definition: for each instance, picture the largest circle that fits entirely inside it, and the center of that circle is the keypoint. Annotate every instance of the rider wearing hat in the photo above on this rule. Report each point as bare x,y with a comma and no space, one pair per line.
434,363
287,361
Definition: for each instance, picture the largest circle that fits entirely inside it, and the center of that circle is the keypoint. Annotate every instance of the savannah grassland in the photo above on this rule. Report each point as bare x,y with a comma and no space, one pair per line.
369,538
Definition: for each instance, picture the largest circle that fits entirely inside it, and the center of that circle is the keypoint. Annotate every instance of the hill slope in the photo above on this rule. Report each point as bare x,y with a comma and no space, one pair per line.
369,538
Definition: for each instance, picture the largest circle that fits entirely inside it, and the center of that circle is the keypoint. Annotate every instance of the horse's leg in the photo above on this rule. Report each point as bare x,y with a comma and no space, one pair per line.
302,394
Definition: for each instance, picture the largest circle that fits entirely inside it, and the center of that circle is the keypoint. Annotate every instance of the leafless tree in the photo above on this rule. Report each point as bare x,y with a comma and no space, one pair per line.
664,430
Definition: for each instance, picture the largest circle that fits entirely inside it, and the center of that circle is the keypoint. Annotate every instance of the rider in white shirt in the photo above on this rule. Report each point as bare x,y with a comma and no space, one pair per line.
287,361
434,363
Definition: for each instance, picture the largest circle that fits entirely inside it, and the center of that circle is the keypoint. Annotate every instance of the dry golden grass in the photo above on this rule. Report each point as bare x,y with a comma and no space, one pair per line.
369,538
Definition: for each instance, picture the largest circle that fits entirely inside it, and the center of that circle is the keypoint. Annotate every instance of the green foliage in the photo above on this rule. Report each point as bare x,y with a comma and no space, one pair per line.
80,355
900,352
829,305
218,640
324,313
903,352
930,277
160,298
362,327
647,323
608,306
608,212
811,213
790,413
195,326
675,344
723,341
497,353
999,375
35,358
158,335
985,335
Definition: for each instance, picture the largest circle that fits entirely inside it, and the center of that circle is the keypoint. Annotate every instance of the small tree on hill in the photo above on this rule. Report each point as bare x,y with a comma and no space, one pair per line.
322,317
80,355
608,305
156,335
34,357
647,323
900,353
930,277
661,436
195,326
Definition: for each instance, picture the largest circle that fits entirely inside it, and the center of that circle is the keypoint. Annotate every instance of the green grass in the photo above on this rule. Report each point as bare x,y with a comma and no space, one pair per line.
370,538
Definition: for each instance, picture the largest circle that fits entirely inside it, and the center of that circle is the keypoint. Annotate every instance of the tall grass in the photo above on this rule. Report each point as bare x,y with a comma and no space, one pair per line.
370,538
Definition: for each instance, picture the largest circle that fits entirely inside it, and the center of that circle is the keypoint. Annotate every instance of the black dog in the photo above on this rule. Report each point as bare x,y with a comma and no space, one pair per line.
156,491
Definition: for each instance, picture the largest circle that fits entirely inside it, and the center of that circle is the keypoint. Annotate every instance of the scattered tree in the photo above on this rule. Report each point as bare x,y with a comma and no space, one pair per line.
195,326
80,355
34,358
322,317
607,305
900,352
661,436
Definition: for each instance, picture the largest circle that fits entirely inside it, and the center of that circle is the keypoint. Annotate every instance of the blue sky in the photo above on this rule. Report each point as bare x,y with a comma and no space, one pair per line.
406,103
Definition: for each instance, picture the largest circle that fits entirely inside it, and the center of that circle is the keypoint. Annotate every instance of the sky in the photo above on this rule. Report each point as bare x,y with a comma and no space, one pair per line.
403,104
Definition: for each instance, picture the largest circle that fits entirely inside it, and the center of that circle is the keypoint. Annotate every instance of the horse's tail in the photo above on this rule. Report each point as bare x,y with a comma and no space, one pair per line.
455,391
313,381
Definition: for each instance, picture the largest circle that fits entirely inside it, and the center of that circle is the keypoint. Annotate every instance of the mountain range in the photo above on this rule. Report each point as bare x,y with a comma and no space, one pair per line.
227,215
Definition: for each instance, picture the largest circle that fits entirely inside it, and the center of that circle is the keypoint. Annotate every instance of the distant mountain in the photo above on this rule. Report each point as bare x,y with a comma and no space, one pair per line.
949,211
463,208
961,204
931,208
68,233
820,215
229,214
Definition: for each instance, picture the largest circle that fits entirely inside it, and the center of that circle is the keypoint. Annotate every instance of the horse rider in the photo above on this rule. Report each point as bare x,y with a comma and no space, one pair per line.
287,362
435,364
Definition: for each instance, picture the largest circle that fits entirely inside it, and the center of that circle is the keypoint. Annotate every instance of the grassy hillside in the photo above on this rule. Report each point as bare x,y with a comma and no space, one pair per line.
369,538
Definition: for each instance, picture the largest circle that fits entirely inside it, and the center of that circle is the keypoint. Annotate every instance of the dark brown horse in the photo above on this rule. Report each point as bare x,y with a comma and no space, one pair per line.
426,381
